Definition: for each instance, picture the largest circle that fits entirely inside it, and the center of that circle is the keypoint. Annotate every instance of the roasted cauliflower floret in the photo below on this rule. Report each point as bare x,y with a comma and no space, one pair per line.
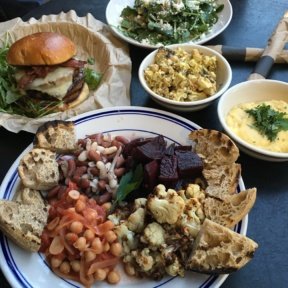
143,259
126,237
190,221
136,221
160,191
115,218
192,191
140,202
153,235
175,268
165,206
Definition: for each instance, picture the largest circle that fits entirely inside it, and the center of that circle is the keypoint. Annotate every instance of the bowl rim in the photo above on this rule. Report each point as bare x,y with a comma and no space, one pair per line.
236,138
201,48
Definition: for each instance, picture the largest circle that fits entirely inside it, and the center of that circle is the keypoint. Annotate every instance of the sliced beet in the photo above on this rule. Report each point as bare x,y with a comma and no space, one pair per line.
189,163
168,169
152,150
129,147
183,148
151,172
170,149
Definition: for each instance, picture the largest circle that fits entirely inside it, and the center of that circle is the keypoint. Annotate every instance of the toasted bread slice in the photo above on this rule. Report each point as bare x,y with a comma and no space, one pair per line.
38,169
58,136
23,223
215,147
29,196
218,250
230,211
222,180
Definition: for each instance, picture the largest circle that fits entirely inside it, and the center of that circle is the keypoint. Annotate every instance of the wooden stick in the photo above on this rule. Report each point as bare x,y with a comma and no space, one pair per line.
275,44
248,54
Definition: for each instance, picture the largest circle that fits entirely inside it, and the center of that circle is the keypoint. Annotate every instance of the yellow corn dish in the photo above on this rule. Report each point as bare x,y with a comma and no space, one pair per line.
182,76
242,125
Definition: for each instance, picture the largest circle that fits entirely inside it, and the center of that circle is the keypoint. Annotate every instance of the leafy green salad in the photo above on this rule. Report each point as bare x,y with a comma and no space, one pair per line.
168,21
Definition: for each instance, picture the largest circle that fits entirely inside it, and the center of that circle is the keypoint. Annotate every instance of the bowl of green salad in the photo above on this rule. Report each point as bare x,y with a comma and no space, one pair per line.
154,23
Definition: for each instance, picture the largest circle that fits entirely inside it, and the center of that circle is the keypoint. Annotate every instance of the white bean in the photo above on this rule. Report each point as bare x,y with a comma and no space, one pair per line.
102,169
94,146
112,179
107,138
108,166
100,148
91,164
113,183
83,156
110,150
94,183
88,144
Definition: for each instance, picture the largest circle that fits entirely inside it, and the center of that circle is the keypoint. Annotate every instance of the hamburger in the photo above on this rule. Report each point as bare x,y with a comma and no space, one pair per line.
46,69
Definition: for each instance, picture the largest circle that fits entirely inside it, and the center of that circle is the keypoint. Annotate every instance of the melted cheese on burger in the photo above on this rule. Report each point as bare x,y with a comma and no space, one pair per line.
56,83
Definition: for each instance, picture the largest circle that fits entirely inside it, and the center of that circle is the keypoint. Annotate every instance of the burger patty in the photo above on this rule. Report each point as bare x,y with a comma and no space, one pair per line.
72,93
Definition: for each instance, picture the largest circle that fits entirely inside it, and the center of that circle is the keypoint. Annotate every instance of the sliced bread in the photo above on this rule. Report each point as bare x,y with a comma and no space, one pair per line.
230,211
38,169
29,196
214,147
218,250
23,223
222,180
58,136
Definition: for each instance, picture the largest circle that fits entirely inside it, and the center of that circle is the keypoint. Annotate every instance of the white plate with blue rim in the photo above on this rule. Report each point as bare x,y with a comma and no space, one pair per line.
30,270
115,8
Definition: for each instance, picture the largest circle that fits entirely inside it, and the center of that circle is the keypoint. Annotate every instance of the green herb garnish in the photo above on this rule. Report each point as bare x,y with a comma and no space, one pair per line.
268,121
169,22
8,90
92,78
128,183
91,61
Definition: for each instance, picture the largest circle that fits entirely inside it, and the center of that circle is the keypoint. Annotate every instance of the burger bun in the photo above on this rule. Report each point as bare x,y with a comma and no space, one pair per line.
42,48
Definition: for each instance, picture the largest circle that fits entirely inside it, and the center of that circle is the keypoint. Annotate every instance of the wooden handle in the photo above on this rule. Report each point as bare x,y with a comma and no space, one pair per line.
275,44
246,54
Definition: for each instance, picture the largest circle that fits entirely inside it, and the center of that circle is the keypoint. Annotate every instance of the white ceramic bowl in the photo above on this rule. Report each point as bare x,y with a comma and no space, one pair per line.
252,91
115,7
224,76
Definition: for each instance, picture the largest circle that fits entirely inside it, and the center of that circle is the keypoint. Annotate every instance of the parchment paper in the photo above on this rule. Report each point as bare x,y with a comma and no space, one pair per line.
93,39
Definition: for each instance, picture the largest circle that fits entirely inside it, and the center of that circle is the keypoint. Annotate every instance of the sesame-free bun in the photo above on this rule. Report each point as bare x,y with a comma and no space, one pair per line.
43,48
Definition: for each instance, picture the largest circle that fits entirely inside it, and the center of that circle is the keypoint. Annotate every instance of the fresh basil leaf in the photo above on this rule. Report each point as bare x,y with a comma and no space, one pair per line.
128,183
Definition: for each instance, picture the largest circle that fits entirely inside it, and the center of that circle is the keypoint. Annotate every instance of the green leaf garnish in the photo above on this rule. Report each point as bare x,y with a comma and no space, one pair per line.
91,61
268,121
92,78
128,183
